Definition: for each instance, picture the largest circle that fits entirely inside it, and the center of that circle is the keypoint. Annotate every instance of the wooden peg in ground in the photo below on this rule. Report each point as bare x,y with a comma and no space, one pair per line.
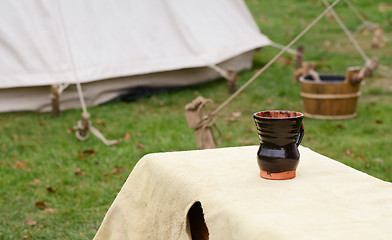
231,79
378,40
55,96
300,55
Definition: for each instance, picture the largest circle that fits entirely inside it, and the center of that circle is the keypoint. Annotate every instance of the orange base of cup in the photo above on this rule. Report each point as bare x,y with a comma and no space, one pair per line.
277,176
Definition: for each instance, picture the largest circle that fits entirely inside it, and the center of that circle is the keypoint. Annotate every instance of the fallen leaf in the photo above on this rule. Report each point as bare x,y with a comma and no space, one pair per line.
234,116
348,152
16,137
79,172
89,152
379,122
116,170
31,223
285,60
42,123
40,204
340,125
127,137
51,190
26,237
35,182
263,20
21,165
329,17
327,43
139,145
384,7
378,160
100,122
69,131
81,156
48,209
367,163
227,138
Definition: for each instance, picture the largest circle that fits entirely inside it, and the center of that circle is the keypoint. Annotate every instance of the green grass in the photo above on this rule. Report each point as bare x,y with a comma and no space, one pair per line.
39,157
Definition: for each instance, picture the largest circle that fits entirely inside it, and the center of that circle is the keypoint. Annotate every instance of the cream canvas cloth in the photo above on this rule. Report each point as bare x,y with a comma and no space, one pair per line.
327,199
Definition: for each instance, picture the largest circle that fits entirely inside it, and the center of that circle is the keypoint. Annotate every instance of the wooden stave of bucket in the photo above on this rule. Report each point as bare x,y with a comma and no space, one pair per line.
329,99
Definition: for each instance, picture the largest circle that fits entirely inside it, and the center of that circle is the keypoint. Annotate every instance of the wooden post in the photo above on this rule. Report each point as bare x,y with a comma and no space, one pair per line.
85,121
378,37
300,55
55,96
232,81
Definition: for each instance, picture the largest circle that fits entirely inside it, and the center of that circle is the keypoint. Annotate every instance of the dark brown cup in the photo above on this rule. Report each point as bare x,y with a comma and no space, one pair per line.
280,134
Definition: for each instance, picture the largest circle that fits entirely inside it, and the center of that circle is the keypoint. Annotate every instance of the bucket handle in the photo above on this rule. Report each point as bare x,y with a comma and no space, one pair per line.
300,135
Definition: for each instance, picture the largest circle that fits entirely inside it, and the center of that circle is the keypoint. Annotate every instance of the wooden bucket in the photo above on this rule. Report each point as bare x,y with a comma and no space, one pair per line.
334,97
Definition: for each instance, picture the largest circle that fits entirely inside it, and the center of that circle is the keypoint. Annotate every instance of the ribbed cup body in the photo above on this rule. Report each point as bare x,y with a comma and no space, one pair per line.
278,132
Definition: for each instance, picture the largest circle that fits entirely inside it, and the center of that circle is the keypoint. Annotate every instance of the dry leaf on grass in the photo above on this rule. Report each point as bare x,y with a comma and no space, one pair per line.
139,145
51,190
35,182
378,160
89,152
79,172
227,138
82,154
384,7
234,116
263,20
116,170
21,165
48,209
31,223
285,60
40,204
127,137
100,122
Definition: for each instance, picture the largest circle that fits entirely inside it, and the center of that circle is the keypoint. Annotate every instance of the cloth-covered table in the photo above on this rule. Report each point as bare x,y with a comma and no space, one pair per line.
326,200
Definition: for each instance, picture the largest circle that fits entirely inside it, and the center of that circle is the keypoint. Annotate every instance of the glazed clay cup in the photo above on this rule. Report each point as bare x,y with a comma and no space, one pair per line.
280,134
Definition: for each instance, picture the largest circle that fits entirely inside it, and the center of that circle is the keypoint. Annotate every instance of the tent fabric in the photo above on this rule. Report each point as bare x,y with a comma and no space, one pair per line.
44,41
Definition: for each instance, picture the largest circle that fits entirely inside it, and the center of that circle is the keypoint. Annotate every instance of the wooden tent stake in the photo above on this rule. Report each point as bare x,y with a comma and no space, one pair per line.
231,81
55,96
300,55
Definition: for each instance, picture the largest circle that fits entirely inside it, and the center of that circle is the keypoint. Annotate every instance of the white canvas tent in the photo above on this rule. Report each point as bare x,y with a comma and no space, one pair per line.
111,46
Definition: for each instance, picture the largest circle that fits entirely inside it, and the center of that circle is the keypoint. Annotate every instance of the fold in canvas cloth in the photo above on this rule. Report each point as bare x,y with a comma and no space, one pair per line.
327,199
108,39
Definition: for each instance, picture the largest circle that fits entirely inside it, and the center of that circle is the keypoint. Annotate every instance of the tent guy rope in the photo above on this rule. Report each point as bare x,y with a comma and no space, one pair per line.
208,119
353,41
260,71
84,125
